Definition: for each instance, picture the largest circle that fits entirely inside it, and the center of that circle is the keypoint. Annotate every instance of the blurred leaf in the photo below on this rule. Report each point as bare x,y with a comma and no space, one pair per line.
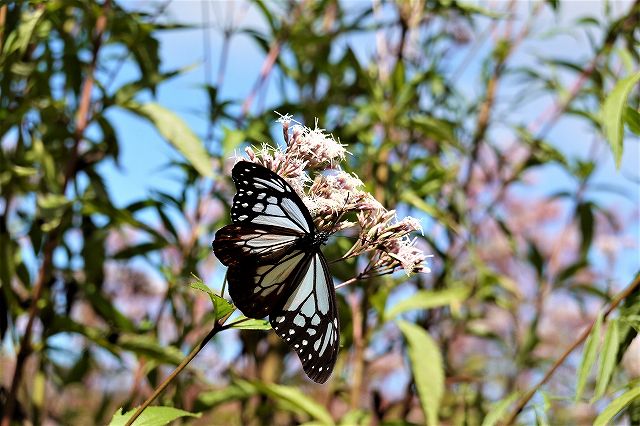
177,132
149,347
233,392
632,119
608,356
612,111
356,418
52,201
141,249
616,406
19,39
632,320
151,416
427,299
499,409
427,367
571,270
535,258
588,357
296,398
413,199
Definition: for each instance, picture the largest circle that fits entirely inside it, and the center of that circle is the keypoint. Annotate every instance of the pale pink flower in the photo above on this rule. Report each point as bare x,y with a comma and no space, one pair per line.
334,192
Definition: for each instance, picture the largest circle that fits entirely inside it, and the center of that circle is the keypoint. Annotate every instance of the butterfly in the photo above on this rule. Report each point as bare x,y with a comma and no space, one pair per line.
276,267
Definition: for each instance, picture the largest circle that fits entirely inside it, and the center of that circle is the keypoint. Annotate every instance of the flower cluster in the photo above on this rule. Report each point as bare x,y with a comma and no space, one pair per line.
333,193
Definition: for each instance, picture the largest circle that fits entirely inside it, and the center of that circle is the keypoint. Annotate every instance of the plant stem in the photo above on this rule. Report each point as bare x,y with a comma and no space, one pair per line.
216,328
529,394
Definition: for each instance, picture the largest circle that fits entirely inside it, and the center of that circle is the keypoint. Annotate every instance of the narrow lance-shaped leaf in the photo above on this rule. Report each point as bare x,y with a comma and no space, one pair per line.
427,368
499,409
616,406
588,357
427,299
176,131
151,416
608,358
296,398
612,114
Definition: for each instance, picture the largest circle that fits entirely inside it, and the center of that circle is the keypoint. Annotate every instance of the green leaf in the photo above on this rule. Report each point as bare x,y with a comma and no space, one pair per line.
19,39
632,119
586,220
427,299
244,323
141,249
612,111
499,409
297,399
152,416
149,347
608,358
426,365
588,357
221,306
233,392
616,406
176,131
632,321
413,199
52,201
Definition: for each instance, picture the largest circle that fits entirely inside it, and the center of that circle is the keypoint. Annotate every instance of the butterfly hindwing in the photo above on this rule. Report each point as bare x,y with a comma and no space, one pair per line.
264,198
308,321
258,289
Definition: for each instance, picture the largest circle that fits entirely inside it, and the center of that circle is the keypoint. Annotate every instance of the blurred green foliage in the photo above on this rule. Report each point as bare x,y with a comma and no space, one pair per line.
514,279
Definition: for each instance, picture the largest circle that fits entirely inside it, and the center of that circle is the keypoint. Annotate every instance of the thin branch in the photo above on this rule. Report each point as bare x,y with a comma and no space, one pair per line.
3,18
267,66
167,381
522,402
82,119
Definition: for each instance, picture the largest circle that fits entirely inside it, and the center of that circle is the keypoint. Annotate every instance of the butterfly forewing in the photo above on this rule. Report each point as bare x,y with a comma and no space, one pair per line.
264,198
308,320
237,243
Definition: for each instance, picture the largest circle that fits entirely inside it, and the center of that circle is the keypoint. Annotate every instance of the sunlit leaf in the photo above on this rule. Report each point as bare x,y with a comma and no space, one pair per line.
296,398
616,406
177,132
149,347
499,409
244,323
608,357
612,114
427,368
427,299
588,357
151,416
19,39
